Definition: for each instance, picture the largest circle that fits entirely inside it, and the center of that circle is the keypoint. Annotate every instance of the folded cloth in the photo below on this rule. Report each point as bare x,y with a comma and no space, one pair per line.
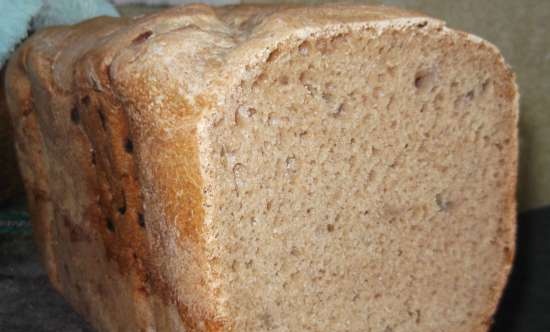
21,15
16,17
174,2
63,12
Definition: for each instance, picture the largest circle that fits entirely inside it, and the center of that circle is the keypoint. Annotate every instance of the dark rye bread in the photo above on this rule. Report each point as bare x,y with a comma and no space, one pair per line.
333,168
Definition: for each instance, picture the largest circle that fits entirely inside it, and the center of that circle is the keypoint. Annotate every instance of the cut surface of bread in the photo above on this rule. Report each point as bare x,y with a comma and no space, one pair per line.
329,168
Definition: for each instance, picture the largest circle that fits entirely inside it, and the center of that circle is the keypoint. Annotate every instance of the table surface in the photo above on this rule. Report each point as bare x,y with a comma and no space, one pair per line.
29,303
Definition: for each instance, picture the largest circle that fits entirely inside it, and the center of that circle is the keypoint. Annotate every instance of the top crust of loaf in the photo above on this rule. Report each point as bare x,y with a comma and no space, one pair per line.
159,81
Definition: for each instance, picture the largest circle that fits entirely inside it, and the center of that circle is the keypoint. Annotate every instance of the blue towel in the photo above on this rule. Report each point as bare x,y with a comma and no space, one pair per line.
18,16
15,22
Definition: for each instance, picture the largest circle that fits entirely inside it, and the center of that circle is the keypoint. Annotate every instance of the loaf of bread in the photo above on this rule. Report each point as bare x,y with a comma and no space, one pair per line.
330,168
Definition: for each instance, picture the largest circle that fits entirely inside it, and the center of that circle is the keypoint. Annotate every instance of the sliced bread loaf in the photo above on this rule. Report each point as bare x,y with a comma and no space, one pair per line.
331,168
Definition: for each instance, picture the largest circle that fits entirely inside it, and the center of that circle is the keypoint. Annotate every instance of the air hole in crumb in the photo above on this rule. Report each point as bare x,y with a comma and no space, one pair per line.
311,90
75,115
418,316
142,37
259,80
107,71
439,99
441,203
242,113
485,85
110,225
304,48
129,145
283,80
234,265
28,110
508,255
391,103
352,161
391,70
85,100
273,55
274,120
302,77
102,119
338,110
327,96
423,79
371,176
470,95
266,320
122,208
378,92
330,228
291,164
422,24
338,40
322,45
238,177
141,220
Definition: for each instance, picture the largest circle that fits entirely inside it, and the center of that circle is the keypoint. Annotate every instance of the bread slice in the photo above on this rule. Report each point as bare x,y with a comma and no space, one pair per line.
331,168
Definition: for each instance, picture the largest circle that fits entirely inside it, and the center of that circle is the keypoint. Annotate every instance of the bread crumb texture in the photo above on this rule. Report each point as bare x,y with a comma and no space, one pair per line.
270,168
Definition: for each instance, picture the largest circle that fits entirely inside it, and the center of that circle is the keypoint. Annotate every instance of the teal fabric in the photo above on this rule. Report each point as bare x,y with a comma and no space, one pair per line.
62,12
15,23
14,219
18,16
